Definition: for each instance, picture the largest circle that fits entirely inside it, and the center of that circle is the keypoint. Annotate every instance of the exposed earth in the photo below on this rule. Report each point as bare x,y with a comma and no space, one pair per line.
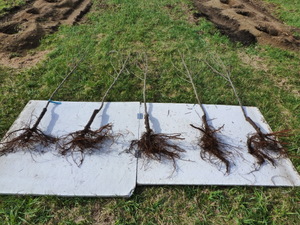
22,30
245,21
248,22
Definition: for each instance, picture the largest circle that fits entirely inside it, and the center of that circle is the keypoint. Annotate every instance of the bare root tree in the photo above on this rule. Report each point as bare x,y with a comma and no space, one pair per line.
32,138
88,140
212,149
260,145
152,145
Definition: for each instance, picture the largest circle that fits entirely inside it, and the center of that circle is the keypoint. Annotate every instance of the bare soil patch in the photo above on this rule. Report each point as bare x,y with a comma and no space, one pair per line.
248,22
23,29
24,61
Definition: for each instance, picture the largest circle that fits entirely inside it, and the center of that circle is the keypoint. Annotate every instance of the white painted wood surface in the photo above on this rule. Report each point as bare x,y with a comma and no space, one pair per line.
115,172
192,170
110,173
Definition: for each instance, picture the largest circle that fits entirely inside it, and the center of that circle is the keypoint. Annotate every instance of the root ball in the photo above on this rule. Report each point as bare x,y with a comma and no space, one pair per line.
211,148
85,141
26,139
158,146
264,146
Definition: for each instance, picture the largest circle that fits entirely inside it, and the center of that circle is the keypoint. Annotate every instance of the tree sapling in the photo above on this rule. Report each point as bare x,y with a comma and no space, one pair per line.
261,145
32,138
152,145
212,149
88,140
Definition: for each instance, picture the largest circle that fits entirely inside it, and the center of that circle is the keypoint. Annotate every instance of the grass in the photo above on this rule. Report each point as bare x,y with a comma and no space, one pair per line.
6,5
287,12
266,77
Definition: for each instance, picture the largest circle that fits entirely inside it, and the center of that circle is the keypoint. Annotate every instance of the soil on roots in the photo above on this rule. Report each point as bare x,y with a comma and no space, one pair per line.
266,147
85,142
22,30
158,146
248,22
26,139
212,150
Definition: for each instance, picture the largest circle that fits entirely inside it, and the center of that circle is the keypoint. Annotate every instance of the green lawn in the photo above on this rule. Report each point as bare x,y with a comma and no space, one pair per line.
265,77
5,5
287,11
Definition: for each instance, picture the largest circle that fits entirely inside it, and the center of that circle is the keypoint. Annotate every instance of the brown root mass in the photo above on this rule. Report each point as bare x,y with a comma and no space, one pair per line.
86,141
31,139
22,30
248,22
211,147
158,146
261,146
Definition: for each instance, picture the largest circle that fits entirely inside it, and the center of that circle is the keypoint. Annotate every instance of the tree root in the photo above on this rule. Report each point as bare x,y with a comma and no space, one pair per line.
85,141
261,146
157,146
211,147
30,139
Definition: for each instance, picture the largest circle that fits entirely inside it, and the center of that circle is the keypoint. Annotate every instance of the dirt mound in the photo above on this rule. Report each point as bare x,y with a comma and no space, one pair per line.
24,29
248,22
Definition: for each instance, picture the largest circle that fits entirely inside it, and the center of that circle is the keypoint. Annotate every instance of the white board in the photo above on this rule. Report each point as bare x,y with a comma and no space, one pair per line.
192,170
115,172
109,173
